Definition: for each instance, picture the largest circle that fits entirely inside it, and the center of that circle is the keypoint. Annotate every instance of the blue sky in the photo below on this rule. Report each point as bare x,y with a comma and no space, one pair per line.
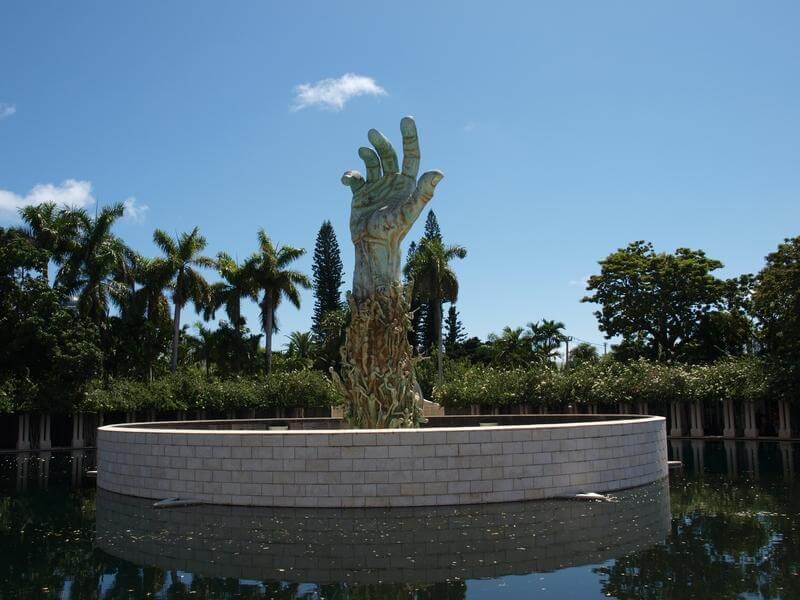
564,130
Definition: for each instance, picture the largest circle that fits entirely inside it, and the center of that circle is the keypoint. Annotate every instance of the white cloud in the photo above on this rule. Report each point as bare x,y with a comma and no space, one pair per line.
6,110
583,282
135,212
70,193
333,94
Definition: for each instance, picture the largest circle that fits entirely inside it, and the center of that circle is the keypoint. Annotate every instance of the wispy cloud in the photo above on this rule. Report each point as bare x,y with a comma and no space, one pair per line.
6,110
69,193
333,94
470,126
583,282
133,211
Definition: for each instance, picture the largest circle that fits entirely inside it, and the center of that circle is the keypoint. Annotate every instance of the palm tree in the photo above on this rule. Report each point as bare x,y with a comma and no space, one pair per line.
51,229
204,346
435,282
182,258
511,348
92,262
546,337
143,302
268,274
236,285
301,345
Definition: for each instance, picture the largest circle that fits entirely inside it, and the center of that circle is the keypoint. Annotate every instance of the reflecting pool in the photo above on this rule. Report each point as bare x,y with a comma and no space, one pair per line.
726,526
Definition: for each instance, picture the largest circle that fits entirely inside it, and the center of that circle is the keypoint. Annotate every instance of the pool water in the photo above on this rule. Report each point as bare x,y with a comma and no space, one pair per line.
726,526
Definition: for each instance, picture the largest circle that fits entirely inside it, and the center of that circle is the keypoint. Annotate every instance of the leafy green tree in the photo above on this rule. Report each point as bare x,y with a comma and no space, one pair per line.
435,282
328,275
332,333
182,256
268,273
776,304
45,342
655,299
19,257
777,300
729,329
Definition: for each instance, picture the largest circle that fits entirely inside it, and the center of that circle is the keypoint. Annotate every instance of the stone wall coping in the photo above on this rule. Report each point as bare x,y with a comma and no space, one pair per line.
132,427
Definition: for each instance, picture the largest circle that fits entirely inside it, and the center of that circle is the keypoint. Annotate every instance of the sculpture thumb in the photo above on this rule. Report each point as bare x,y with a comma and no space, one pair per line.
427,183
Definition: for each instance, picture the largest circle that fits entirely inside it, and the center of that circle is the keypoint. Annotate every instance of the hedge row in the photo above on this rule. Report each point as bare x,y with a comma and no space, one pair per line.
191,391
600,383
607,383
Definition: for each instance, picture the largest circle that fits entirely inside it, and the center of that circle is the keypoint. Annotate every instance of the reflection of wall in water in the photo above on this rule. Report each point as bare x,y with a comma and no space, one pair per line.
389,545
742,458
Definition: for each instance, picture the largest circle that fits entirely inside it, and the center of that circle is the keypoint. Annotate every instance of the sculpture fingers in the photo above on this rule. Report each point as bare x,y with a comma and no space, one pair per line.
385,150
372,162
354,179
426,185
410,147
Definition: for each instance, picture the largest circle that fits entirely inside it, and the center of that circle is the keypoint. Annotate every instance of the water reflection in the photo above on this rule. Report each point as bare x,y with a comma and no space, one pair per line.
734,532
420,544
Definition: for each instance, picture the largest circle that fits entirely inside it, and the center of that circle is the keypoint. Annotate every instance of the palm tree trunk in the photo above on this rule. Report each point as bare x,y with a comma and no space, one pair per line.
266,309
439,344
176,331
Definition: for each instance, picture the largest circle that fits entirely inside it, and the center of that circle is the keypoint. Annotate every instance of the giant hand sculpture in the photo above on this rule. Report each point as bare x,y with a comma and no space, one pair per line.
385,207
376,378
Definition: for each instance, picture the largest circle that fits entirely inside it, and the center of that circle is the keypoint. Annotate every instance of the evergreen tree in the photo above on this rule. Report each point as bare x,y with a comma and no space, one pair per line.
454,329
432,230
417,307
328,275
426,315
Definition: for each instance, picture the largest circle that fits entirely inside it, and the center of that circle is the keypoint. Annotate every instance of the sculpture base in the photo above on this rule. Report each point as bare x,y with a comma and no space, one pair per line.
377,374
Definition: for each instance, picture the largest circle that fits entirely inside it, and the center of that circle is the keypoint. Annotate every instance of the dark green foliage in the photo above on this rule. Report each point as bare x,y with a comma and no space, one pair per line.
332,335
454,330
432,230
605,383
226,351
582,353
46,349
662,304
417,306
182,259
776,301
328,275
435,282
269,276
192,390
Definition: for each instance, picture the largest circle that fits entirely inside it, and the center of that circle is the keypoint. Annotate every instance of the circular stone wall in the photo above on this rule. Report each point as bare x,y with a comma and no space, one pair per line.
244,463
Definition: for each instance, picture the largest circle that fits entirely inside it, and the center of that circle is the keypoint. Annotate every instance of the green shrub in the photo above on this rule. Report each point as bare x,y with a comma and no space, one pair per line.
607,383
191,390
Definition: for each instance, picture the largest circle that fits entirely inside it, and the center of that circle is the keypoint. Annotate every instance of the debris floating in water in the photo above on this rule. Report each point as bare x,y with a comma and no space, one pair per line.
592,496
175,502
92,474
674,464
